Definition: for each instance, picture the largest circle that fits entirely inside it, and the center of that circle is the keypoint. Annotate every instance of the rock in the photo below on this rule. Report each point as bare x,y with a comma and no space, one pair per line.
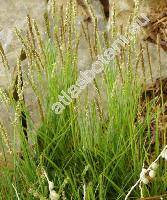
13,14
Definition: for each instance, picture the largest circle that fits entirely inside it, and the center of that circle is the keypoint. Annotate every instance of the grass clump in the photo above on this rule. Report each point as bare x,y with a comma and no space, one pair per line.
96,148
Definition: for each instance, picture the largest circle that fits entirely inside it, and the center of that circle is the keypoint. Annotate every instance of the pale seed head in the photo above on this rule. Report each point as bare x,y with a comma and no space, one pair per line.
152,174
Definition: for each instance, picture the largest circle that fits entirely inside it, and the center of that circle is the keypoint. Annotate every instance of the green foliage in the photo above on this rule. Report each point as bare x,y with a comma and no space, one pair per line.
97,146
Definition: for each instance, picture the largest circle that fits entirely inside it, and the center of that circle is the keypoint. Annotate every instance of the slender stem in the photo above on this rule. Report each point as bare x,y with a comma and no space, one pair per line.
139,180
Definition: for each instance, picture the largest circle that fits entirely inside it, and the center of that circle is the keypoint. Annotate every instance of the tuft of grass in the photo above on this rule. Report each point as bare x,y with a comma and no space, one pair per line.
96,148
